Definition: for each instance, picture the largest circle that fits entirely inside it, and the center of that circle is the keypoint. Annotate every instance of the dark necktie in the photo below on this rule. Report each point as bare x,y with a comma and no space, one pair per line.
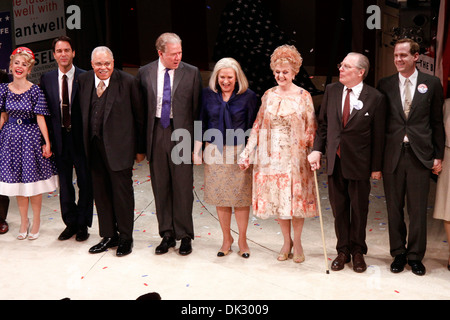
345,115
346,112
166,101
65,103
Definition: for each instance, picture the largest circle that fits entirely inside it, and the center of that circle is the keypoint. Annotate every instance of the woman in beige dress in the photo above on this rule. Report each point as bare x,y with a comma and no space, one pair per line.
442,203
281,137
228,111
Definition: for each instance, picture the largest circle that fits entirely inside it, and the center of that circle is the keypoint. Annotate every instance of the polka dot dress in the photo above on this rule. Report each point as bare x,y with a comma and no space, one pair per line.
23,169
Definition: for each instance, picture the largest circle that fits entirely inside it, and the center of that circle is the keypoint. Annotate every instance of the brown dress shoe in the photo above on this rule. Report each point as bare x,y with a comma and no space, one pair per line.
340,261
359,265
3,227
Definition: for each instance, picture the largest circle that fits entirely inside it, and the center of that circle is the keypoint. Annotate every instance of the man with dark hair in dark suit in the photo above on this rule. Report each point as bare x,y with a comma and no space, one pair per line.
415,144
351,130
60,87
4,200
113,132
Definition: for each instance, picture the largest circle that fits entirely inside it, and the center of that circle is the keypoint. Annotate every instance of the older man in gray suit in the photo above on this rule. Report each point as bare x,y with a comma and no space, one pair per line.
171,90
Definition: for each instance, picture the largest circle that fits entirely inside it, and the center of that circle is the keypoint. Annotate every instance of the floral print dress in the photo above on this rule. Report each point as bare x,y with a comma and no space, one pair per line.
281,139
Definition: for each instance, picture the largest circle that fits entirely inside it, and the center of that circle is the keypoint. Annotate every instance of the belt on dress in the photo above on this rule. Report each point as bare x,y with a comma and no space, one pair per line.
22,121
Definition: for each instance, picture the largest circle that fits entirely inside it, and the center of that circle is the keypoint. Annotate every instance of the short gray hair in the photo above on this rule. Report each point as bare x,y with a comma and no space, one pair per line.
101,49
363,62
166,38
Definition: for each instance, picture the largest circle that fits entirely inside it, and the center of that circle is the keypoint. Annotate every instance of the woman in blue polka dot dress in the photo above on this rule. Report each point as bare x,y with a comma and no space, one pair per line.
26,168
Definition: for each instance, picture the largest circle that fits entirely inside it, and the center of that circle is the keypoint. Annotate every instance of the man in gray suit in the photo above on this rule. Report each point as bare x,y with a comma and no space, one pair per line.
171,91
414,147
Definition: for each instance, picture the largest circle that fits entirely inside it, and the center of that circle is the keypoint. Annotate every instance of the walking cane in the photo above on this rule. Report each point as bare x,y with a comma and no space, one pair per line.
321,223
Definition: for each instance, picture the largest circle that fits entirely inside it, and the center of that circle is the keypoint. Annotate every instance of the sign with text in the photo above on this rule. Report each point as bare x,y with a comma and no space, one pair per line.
5,40
426,64
45,62
37,20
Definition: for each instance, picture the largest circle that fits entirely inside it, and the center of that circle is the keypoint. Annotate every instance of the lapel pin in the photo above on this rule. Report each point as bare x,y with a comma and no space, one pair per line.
422,88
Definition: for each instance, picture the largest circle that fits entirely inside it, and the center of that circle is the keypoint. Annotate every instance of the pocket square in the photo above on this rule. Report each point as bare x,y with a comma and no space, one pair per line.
366,115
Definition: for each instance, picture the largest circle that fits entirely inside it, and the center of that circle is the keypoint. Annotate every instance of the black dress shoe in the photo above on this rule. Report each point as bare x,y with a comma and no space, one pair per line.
3,227
67,234
82,235
124,248
104,245
399,263
185,247
417,267
166,243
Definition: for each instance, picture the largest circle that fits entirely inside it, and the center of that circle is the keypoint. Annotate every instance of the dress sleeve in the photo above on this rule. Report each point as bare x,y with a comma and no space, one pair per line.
39,102
252,142
311,122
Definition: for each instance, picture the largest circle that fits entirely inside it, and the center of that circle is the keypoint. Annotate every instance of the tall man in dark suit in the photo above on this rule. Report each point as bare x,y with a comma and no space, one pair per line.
4,200
172,91
60,87
414,147
351,130
113,133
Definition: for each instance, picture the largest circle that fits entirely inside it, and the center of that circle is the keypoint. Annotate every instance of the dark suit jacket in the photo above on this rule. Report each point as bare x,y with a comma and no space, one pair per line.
186,97
424,126
4,78
361,141
123,122
50,86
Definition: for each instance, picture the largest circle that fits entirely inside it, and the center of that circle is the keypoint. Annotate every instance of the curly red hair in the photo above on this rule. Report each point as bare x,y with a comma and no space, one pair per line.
287,53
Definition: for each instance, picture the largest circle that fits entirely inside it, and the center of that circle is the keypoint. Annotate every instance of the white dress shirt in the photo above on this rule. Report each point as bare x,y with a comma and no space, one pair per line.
413,85
412,88
354,96
160,79
97,81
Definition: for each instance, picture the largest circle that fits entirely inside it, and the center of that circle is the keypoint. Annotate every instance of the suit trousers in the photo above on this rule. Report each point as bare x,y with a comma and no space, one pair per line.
172,187
411,179
113,194
4,206
349,201
75,215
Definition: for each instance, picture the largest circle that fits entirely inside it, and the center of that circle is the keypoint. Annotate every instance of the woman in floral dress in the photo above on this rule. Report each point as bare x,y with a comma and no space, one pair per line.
26,169
281,137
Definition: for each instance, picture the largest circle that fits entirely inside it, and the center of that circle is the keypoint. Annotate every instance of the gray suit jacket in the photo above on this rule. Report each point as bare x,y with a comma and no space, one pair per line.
424,125
186,97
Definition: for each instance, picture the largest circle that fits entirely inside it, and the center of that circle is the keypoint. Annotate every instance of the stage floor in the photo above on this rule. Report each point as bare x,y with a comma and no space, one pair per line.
48,269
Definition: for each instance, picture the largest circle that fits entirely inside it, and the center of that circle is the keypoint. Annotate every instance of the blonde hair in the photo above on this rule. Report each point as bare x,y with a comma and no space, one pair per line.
289,54
29,58
233,64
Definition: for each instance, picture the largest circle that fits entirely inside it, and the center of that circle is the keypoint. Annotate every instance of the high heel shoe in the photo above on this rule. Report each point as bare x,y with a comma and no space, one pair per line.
24,235
244,254
223,253
32,236
283,256
299,259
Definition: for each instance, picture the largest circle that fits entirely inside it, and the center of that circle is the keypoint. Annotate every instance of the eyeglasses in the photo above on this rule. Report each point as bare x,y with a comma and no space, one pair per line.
344,66
99,64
